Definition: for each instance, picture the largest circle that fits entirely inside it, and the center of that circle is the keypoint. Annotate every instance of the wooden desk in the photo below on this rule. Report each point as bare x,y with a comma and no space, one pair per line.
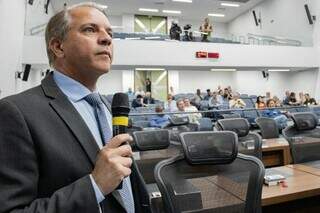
300,185
275,152
310,167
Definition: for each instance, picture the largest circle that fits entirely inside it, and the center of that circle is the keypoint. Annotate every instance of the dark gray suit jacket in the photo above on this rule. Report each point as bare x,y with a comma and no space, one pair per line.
46,155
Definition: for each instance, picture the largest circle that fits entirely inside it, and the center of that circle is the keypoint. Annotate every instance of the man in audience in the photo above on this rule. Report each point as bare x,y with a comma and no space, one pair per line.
236,102
160,120
275,114
56,145
138,102
208,96
148,99
193,117
130,93
286,98
171,104
198,97
308,100
213,101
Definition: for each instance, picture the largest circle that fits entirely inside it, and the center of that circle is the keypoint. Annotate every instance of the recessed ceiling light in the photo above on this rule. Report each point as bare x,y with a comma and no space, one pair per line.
185,1
278,70
230,5
150,69
148,10
223,70
172,11
103,6
216,14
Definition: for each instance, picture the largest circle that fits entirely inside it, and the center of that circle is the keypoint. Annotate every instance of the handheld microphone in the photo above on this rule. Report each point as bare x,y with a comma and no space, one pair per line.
120,112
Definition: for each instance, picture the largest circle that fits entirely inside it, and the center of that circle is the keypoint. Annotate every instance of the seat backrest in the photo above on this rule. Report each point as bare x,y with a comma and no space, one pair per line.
268,127
304,121
205,124
250,143
151,139
210,176
141,123
177,121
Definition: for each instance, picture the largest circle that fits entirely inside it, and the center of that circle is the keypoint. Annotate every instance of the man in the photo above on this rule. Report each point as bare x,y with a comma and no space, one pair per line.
55,153
148,99
193,117
208,96
206,30
236,102
138,102
160,120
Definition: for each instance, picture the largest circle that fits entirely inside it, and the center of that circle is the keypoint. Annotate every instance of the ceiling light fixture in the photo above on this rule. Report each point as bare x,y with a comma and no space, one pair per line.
150,69
185,1
216,15
230,5
172,11
223,70
148,10
278,70
103,6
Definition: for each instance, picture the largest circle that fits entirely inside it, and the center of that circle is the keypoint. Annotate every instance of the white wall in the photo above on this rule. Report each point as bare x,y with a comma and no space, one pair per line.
189,81
110,82
304,81
11,41
285,18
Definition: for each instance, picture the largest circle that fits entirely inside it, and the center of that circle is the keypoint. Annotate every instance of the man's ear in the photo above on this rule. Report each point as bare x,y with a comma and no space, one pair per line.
56,47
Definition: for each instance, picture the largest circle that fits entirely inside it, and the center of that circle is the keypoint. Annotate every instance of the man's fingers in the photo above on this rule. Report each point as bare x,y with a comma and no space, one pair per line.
119,140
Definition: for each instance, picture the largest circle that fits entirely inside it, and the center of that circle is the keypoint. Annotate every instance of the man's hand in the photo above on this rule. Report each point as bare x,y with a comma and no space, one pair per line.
113,163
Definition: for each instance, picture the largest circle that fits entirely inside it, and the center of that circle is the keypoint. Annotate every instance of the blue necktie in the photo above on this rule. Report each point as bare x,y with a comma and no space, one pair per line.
95,101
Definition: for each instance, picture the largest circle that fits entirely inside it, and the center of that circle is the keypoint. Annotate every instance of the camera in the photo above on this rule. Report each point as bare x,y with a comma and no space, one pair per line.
188,36
175,31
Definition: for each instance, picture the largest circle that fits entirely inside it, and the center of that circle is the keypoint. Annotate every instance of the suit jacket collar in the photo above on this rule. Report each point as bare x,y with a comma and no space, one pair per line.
66,111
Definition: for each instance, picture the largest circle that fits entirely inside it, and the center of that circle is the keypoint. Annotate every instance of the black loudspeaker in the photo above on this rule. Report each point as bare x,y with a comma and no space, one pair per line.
265,74
255,17
310,18
26,72
30,2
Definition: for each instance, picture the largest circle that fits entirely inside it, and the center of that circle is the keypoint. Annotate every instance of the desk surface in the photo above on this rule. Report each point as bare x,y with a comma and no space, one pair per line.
310,167
300,185
274,144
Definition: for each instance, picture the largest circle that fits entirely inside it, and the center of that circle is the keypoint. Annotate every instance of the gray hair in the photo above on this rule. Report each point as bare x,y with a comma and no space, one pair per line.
58,25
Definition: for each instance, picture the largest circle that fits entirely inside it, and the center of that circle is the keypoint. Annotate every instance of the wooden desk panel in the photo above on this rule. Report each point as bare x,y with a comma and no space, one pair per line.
307,168
275,152
299,185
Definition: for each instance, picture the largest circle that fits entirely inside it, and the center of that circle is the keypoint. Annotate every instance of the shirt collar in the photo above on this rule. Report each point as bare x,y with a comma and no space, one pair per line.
73,89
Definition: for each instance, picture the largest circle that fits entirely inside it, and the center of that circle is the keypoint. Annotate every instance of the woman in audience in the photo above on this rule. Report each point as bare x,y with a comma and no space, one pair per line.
160,120
293,100
171,104
309,101
277,101
275,114
260,104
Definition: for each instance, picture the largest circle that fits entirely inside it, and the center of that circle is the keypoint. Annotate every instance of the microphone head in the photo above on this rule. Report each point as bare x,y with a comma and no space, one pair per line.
120,105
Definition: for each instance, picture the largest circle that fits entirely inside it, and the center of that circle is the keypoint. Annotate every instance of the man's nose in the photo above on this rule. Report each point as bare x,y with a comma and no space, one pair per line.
105,38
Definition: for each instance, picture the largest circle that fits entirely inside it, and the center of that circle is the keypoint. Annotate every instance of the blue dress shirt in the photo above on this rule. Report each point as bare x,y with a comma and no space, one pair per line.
75,92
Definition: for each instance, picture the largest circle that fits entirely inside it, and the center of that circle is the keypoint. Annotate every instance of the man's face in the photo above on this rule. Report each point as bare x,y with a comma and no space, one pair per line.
88,47
180,105
187,102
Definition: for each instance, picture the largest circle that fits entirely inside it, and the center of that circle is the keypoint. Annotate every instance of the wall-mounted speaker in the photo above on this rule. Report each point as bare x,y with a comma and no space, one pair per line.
26,72
265,74
256,21
30,2
309,16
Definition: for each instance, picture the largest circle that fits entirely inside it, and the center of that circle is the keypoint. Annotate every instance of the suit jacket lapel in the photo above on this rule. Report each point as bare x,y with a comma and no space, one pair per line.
66,111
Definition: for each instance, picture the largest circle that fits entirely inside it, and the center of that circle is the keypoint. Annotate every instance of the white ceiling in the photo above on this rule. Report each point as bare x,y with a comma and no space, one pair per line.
190,11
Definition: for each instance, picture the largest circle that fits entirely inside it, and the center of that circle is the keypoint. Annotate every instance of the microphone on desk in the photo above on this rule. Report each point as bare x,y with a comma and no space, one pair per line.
120,113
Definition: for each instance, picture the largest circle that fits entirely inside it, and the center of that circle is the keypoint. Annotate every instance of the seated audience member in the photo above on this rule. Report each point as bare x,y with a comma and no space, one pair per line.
286,98
138,102
236,102
159,120
227,94
301,99
293,100
268,96
277,101
148,99
198,97
171,104
130,93
260,104
140,92
213,101
206,30
193,117
280,118
220,97
208,96
309,101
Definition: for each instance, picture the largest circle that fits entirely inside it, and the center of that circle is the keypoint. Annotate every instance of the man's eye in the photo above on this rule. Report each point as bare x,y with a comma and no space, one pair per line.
110,34
89,29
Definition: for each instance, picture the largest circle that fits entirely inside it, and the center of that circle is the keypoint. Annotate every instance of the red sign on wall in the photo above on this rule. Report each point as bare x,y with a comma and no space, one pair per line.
202,54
